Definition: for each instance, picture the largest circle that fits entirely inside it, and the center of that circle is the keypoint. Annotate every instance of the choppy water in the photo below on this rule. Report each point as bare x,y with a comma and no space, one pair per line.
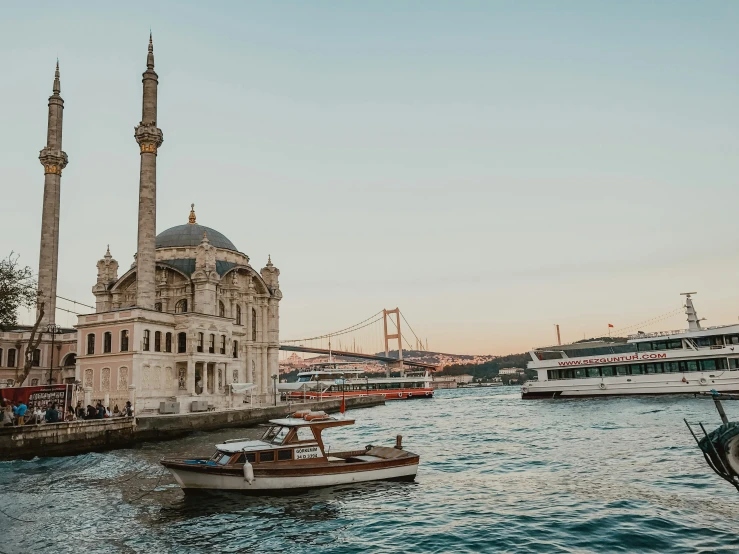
497,475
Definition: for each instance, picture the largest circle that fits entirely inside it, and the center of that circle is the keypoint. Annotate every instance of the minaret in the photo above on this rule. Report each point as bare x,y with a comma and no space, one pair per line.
149,137
54,160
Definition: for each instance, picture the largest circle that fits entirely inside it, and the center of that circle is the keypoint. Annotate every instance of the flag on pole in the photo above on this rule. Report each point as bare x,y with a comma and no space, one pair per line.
610,325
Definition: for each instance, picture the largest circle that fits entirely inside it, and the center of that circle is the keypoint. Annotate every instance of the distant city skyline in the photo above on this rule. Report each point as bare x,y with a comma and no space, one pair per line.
493,169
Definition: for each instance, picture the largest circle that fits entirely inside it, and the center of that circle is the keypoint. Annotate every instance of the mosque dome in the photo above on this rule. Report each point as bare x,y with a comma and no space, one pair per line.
191,234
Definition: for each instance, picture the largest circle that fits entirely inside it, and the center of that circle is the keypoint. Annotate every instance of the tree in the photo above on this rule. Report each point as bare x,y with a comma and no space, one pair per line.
17,289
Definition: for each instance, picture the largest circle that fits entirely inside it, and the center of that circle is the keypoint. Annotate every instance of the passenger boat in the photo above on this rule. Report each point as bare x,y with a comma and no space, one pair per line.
346,379
291,457
687,361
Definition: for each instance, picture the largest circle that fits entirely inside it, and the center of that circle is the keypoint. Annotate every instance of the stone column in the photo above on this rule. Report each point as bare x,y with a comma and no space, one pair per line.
54,160
149,137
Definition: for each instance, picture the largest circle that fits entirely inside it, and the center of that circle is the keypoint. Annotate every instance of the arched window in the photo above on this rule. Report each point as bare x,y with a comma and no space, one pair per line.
180,307
158,306
107,341
223,344
36,360
238,314
124,340
90,344
200,342
236,349
168,342
212,344
221,309
253,324
157,341
146,339
181,342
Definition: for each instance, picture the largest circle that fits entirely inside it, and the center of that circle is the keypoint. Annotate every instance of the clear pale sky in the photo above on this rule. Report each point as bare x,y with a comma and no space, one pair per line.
493,168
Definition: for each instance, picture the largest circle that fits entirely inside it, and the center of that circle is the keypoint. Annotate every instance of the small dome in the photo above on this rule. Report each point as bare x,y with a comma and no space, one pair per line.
191,234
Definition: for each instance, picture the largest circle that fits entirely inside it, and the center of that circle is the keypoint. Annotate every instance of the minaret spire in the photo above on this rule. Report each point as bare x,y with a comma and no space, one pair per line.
150,138
54,160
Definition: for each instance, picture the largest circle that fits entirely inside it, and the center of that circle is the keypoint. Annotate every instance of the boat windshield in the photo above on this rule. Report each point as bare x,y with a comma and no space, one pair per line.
276,434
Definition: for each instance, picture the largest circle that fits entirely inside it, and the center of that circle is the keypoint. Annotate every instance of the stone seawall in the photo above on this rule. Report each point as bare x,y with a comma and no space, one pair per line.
78,437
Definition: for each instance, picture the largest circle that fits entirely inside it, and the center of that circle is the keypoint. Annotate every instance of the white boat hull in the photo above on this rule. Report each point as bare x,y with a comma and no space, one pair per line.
626,385
194,480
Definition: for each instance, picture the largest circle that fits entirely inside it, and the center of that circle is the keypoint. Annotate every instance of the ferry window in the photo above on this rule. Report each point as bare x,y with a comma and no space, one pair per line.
567,373
676,344
266,456
707,365
579,373
607,371
703,341
551,374
733,363
593,372
649,368
672,367
622,370
692,366
732,339
285,454
270,433
720,363
305,434
636,369
224,460
661,345
644,346
280,436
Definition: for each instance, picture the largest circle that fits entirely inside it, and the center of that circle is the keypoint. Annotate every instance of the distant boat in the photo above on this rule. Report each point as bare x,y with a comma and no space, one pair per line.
687,361
347,379
291,456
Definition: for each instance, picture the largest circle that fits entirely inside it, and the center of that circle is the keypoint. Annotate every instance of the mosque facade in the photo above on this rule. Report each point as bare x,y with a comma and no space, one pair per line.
190,318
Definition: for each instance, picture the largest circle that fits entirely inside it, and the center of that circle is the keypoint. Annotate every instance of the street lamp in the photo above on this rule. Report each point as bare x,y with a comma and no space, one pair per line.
53,330
274,387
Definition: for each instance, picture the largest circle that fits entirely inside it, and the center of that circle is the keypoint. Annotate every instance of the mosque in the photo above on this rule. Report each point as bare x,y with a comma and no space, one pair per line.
188,320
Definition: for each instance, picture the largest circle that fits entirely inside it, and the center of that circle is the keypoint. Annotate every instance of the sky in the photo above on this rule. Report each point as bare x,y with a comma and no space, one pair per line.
492,168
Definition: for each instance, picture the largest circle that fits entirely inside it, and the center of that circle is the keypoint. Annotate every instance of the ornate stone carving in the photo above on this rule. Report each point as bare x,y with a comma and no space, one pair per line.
157,378
169,376
235,376
53,160
88,378
182,378
123,378
146,371
105,380
149,137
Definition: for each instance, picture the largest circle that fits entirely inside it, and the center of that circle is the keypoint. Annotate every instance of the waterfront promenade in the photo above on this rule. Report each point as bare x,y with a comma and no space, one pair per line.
79,437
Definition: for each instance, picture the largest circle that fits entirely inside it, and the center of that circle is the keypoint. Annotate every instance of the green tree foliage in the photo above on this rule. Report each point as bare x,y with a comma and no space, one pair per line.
489,369
17,289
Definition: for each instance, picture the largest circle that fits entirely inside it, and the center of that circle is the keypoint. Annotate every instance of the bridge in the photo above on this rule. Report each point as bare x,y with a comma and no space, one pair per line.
368,332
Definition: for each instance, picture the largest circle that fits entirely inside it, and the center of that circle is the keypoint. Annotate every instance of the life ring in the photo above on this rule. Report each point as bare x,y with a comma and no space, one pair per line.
400,395
731,447
428,394
602,386
410,394
703,381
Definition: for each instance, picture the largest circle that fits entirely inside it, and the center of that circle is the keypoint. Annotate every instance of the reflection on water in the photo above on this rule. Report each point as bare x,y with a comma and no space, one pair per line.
497,474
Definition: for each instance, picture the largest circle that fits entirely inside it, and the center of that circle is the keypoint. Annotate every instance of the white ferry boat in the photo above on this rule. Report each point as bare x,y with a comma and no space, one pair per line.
670,362
345,379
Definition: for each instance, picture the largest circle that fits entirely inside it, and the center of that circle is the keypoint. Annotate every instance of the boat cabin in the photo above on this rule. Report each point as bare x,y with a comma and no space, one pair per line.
296,438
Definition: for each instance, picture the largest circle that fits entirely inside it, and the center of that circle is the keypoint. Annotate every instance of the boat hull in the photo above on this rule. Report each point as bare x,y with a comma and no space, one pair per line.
634,385
192,481
399,394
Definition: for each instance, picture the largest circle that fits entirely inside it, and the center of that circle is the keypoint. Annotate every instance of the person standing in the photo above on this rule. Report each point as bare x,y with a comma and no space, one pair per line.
100,410
8,413
20,413
52,415
128,410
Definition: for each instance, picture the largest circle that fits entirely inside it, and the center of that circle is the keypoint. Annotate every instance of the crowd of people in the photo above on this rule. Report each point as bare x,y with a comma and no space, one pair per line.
16,413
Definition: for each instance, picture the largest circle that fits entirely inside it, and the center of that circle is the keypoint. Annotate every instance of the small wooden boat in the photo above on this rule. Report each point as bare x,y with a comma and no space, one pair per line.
291,456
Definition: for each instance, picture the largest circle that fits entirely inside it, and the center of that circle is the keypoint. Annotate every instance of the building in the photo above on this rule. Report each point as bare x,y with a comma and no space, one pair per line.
511,371
189,318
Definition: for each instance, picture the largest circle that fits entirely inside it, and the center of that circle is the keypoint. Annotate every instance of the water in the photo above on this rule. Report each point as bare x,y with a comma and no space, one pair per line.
497,475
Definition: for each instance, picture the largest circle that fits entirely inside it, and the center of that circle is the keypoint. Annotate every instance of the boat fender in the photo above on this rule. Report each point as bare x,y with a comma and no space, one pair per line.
703,381
248,472
684,380
368,447
524,390
428,394
602,386
400,395
410,395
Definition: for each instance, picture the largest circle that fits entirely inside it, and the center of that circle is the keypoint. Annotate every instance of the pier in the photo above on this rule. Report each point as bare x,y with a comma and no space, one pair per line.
79,437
